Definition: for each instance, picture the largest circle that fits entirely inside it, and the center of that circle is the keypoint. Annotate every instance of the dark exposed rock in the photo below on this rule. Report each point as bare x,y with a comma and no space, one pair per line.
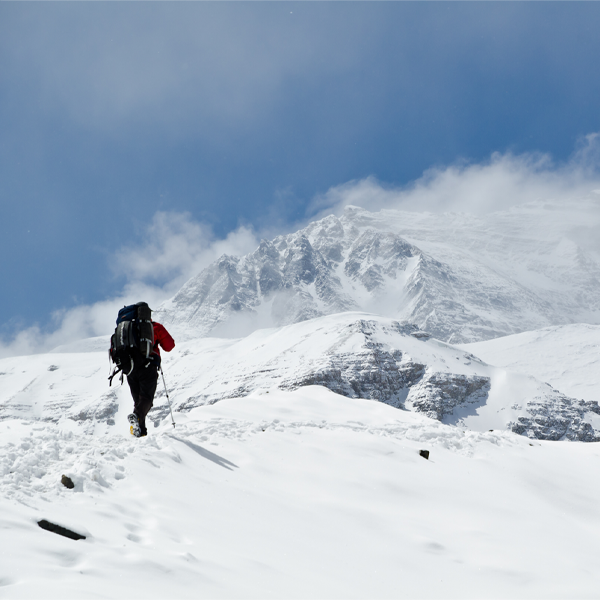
67,482
374,373
54,528
424,454
562,419
438,394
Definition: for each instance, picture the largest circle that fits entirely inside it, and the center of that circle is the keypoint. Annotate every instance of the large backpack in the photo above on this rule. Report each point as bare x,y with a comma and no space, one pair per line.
133,340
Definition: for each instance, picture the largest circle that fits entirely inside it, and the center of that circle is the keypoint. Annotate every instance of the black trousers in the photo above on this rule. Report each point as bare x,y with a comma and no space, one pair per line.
142,383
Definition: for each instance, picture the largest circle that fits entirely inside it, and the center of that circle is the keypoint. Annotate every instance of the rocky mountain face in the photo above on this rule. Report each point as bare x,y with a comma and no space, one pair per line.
359,356
353,354
457,277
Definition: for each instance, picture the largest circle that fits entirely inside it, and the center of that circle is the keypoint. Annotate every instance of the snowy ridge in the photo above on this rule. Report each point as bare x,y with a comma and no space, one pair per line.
566,356
356,355
459,277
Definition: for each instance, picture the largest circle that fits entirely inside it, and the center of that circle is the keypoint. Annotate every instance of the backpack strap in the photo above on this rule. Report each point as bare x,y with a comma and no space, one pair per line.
115,372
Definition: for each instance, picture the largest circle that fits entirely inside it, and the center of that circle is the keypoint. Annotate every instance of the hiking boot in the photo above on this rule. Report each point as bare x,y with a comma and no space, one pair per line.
135,428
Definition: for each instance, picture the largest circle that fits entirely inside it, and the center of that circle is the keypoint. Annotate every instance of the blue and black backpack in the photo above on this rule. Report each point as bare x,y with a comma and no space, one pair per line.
133,340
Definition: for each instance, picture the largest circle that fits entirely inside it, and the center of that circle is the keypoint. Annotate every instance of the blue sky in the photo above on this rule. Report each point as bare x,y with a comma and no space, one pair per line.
119,119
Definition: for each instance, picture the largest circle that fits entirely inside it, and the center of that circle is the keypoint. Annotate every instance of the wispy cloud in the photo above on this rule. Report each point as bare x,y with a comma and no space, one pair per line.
172,248
504,180
182,68
198,68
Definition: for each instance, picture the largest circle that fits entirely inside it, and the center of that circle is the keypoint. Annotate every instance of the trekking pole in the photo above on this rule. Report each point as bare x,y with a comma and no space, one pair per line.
167,393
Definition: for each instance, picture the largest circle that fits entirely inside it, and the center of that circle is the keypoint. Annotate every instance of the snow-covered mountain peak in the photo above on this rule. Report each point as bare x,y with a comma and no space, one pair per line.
461,277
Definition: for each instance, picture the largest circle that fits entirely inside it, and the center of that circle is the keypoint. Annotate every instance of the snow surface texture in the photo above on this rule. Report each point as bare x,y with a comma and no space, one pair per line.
353,354
301,494
566,356
460,277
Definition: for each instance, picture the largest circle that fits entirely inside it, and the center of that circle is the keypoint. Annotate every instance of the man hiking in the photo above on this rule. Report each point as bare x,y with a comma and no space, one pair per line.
134,348
143,379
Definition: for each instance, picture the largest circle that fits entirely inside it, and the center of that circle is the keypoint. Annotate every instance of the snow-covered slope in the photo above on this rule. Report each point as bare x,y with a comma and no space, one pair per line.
460,277
567,357
301,494
354,354
294,469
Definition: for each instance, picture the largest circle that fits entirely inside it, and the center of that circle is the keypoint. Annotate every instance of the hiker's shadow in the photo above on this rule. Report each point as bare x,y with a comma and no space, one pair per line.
204,453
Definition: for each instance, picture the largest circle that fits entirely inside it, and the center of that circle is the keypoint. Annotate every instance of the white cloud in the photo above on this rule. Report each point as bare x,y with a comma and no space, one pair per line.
174,247
504,180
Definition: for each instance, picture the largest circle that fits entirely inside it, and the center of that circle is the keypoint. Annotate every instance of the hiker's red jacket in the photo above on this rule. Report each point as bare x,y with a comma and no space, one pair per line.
162,337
